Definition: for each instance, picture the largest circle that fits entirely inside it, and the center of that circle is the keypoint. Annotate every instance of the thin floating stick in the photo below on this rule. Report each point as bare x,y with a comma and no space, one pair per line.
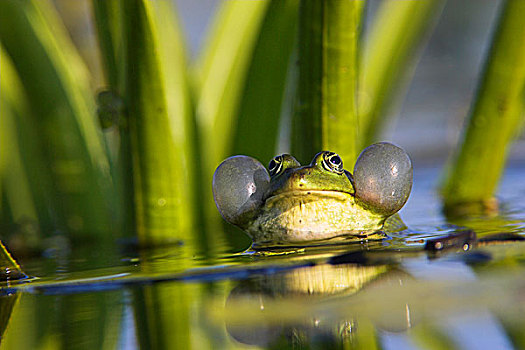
9,268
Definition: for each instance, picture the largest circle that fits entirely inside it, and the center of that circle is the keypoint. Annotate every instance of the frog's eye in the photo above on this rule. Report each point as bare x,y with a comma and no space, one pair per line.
239,184
279,164
276,165
383,177
332,162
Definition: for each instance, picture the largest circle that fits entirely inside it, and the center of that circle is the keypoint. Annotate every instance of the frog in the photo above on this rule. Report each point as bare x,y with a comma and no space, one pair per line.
292,204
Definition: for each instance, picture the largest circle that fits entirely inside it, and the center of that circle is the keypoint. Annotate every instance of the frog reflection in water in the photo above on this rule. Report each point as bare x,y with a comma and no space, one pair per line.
293,204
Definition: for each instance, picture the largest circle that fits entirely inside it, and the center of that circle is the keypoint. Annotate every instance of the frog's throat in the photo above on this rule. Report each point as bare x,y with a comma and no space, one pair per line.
298,216
317,194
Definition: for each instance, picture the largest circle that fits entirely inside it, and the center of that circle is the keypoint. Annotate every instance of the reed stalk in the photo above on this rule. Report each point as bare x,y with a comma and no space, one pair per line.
256,130
325,115
218,82
388,59
494,121
157,122
72,151
23,196
220,75
108,22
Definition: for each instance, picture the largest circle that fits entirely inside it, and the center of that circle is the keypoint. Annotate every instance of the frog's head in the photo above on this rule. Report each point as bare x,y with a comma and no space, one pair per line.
324,173
381,182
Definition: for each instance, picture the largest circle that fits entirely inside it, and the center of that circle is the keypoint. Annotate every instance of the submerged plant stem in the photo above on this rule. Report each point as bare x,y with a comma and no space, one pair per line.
326,112
495,118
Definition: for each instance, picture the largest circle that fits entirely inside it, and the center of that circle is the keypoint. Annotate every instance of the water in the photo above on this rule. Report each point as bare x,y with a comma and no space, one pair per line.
390,294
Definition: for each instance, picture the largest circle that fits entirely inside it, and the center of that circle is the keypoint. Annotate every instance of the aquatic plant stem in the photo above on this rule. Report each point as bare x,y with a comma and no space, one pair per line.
26,198
221,73
325,115
389,52
219,80
256,130
495,118
157,119
64,131
108,22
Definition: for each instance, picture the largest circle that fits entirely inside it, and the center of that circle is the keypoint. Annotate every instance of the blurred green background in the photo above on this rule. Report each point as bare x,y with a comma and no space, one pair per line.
115,113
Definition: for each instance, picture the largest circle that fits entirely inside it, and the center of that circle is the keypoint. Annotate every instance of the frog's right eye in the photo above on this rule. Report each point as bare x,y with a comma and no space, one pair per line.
275,166
279,164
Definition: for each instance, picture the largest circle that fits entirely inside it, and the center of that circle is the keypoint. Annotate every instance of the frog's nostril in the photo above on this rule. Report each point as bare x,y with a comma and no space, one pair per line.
239,184
383,177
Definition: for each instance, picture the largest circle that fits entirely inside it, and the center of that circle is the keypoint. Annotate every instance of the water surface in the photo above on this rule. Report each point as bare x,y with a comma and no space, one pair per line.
389,294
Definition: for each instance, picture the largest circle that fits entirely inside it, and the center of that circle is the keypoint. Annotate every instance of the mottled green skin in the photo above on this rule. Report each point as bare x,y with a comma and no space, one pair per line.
310,203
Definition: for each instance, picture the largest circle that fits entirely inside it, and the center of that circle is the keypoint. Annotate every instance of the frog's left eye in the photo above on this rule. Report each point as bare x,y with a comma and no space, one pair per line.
275,166
332,162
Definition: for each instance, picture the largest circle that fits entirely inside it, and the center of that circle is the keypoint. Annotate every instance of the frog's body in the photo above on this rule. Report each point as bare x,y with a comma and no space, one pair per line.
308,203
299,204
305,216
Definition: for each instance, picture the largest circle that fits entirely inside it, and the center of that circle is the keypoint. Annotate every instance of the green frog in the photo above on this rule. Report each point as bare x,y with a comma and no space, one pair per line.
294,204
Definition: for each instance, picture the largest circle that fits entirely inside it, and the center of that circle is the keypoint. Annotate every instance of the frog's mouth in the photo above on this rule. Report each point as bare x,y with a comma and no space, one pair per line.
309,196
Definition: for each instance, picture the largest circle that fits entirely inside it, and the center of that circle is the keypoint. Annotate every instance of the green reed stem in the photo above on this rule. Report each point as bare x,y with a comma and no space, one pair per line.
390,50
258,118
255,122
64,130
326,112
219,80
109,34
221,74
495,118
108,21
157,121
24,196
